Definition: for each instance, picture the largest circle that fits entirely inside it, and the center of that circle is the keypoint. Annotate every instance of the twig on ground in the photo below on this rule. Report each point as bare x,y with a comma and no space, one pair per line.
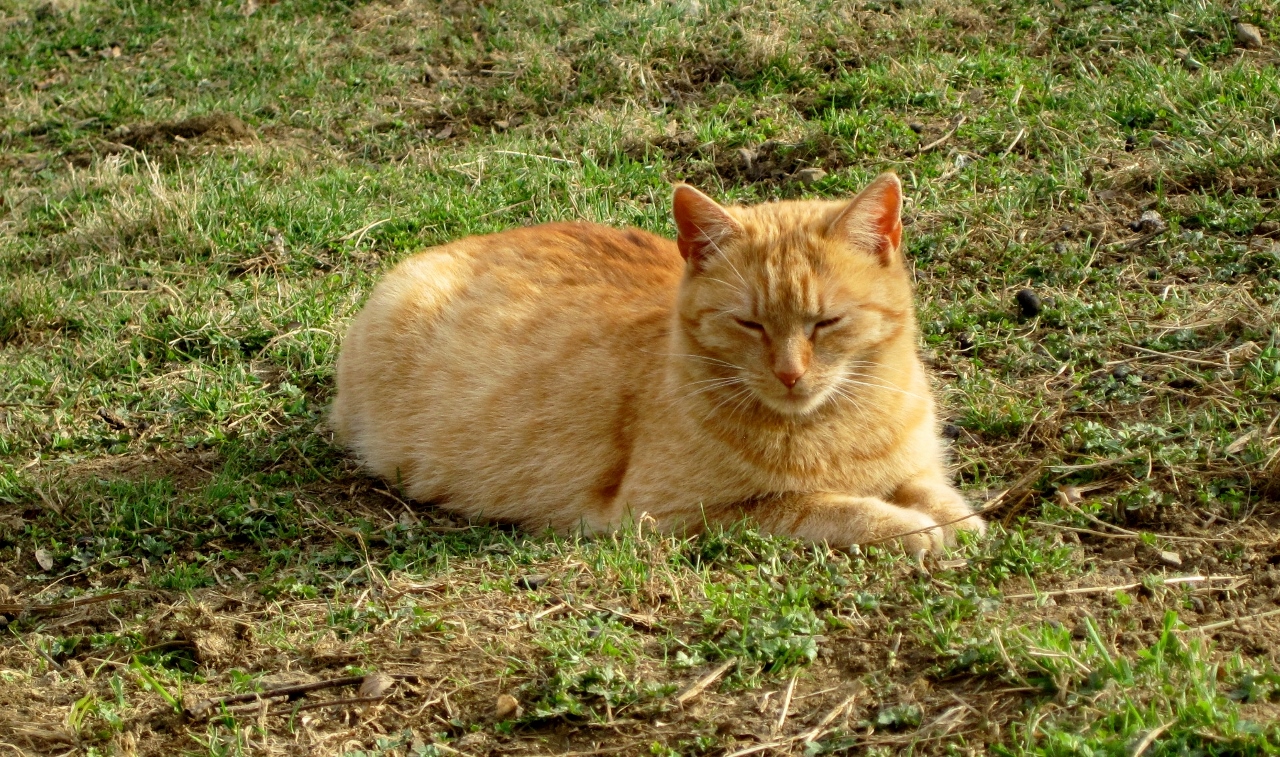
942,140
71,604
786,703
811,734
1150,738
1133,244
644,624
1021,133
1172,356
207,707
1234,621
816,731
702,684
516,153
1122,587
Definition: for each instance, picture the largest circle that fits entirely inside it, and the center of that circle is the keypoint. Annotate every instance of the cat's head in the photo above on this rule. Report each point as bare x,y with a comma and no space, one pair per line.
794,303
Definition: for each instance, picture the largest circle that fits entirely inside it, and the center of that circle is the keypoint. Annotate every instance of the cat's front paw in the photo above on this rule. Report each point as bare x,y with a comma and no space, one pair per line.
959,518
916,532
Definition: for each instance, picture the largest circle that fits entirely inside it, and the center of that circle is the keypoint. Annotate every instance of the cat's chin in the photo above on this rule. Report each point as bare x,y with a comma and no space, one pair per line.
794,405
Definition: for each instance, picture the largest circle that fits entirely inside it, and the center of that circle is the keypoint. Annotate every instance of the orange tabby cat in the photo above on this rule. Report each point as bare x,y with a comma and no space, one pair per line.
578,376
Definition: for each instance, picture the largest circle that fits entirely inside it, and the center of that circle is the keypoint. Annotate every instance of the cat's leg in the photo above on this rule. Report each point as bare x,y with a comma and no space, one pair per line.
838,520
937,498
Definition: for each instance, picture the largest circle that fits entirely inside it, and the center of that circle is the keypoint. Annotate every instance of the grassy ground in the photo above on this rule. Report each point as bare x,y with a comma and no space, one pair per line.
173,293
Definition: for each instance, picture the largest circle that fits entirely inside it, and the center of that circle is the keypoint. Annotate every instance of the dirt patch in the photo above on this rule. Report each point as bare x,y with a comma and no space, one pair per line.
770,162
219,128
162,137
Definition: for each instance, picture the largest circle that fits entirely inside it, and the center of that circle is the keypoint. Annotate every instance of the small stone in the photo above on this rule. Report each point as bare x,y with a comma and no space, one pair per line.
1249,36
916,126
1150,222
1028,303
1059,248
533,581
951,431
45,558
809,176
747,158
1198,604
1120,372
1188,60
1172,559
506,707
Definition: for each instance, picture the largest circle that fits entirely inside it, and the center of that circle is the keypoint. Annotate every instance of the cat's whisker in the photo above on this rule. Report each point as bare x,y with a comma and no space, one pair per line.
873,377
695,357
672,392
720,385
844,395
882,387
740,404
722,402
875,365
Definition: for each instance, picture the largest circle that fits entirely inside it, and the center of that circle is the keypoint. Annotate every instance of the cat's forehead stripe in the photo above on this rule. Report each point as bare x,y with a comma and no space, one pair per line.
786,274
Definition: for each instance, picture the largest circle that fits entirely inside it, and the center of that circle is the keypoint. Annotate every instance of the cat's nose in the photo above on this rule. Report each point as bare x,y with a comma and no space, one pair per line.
789,376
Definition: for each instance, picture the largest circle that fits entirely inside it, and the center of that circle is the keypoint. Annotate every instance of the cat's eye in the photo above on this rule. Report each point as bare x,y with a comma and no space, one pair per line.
749,325
827,323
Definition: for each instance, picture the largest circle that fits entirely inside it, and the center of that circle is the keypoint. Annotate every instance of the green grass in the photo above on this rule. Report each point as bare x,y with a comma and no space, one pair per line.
171,309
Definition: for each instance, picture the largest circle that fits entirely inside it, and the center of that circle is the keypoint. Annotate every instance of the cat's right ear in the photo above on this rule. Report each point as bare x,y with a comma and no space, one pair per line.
702,225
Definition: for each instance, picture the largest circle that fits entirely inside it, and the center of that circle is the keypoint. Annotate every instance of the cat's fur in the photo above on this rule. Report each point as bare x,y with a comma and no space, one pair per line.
578,376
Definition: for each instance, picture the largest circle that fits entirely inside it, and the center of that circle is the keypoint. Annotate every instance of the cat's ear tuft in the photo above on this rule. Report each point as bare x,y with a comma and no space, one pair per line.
702,225
872,221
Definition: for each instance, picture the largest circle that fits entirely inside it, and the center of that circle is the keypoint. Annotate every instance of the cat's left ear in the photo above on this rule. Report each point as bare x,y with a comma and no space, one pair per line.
872,221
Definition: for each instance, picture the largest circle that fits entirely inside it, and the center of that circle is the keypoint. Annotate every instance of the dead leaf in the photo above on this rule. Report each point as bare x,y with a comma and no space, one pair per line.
1069,495
45,558
376,685
1239,443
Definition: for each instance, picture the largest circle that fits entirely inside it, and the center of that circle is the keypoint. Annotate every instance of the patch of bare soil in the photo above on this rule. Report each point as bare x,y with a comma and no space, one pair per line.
770,162
163,136
218,128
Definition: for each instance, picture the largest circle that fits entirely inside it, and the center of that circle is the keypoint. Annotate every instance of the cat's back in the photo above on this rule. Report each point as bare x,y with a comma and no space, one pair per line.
574,257
490,338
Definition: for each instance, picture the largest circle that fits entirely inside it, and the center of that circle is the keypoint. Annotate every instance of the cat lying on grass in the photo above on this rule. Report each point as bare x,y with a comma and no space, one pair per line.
578,376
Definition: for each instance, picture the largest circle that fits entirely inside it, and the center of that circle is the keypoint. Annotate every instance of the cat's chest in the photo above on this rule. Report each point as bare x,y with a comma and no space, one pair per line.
822,461
868,463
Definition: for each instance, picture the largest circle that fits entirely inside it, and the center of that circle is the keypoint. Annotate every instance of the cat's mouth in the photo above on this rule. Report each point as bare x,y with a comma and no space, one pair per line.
795,401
